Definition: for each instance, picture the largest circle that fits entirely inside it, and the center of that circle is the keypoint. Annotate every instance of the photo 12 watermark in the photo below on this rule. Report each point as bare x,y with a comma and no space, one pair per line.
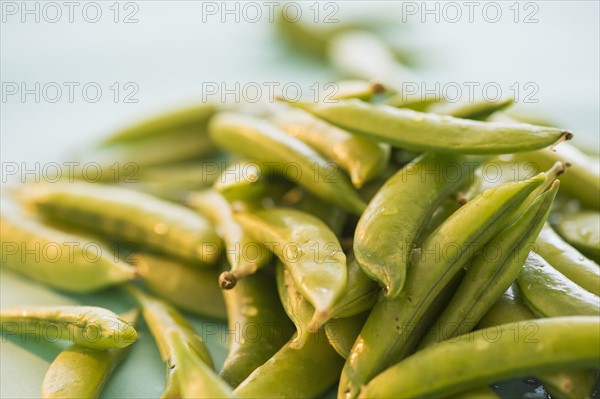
53,12
69,92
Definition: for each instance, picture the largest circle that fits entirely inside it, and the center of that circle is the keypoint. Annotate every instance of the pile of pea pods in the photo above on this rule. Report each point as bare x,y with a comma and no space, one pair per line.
364,233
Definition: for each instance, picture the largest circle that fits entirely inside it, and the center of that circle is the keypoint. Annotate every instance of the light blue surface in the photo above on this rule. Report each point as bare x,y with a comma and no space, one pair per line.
170,52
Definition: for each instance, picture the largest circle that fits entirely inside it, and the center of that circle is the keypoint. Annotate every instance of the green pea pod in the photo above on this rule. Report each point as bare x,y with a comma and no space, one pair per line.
509,308
79,372
582,230
419,131
287,156
307,248
192,118
354,88
244,255
393,327
315,368
387,231
59,259
568,261
87,326
492,272
479,393
548,293
244,181
129,215
477,110
253,306
362,158
342,333
420,104
545,350
188,362
331,215
189,288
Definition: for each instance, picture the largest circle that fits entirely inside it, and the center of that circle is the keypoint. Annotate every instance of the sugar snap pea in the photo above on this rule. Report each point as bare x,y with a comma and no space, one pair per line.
307,248
244,180
79,372
387,231
129,215
342,333
362,158
355,88
419,131
540,347
477,110
400,100
315,367
568,261
261,326
244,255
582,230
331,215
87,326
392,329
287,156
548,293
189,288
59,259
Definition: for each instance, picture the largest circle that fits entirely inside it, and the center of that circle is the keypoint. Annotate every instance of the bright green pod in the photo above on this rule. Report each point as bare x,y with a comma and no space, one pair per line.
548,293
331,215
244,180
393,328
130,216
342,333
582,230
361,158
79,372
419,131
473,360
388,229
189,288
62,260
87,326
478,393
568,261
307,248
476,110
286,156
315,368
245,256
261,326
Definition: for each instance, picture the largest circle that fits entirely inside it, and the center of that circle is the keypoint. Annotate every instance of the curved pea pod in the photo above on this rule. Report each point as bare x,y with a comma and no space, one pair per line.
477,110
188,362
192,118
307,248
361,158
331,215
548,293
287,156
342,333
420,104
541,347
79,372
129,215
492,272
582,230
387,231
59,259
315,368
419,131
87,326
245,180
394,326
568,261
244,255
254,309
189,288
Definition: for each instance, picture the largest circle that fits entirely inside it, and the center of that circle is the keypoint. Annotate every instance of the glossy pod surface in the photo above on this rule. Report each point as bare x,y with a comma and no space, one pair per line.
582,230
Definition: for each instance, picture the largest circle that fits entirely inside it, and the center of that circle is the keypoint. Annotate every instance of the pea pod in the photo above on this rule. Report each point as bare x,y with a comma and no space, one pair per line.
478,393
541,347
582,230
387,231
189,288
548,293
419,131
59,259
307,248
568,261
79,372
392,329
298,309
476,110
491,273
87,326
285,155
331,215
362,158
132,216
315,368
243,254
253,306
245,181
342,333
